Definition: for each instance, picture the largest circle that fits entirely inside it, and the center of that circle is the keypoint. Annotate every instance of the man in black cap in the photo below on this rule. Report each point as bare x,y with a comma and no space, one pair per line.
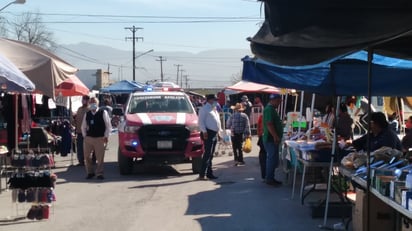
209,124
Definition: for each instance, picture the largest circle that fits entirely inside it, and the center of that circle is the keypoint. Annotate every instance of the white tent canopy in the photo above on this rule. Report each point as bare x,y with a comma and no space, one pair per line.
43,68
246,86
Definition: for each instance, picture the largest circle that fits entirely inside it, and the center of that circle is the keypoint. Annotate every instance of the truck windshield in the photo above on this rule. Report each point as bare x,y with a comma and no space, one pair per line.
160,104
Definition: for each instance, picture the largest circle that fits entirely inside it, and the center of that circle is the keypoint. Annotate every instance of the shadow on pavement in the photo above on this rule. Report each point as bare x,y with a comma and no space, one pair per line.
247,198
142,172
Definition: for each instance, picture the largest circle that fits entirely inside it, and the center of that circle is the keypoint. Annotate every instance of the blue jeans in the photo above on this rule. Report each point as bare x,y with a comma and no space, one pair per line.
79,148
210,145
272,159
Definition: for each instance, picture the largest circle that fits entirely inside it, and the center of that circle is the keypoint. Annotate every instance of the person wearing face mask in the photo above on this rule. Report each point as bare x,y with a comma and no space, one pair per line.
96,129
209,124
407,139
78,124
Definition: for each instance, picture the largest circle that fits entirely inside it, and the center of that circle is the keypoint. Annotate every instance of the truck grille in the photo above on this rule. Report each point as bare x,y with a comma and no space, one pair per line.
150,135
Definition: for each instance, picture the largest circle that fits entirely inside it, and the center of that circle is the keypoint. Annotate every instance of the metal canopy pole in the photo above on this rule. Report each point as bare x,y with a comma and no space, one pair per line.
368,164
332,159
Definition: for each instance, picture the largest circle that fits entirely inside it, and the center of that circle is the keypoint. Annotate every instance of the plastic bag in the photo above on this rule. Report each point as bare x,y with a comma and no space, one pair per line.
247,145
225,135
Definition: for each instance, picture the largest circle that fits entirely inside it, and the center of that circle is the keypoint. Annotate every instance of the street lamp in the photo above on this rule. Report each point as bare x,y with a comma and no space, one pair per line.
14,2
135,57
144,53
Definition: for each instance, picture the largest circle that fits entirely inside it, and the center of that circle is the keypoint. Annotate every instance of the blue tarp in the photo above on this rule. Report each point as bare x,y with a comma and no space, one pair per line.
124,86
346,75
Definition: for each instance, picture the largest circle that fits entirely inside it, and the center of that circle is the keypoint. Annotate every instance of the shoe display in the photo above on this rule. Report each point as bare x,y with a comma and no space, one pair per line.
90,176
100,177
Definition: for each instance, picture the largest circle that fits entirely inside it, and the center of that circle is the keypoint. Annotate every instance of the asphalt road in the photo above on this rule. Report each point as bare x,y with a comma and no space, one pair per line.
165,198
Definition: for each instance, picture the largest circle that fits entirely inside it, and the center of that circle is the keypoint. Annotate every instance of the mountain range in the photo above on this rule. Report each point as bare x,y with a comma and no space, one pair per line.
206,69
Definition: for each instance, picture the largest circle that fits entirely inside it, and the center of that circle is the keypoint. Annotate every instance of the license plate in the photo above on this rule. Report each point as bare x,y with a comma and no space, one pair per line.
164,144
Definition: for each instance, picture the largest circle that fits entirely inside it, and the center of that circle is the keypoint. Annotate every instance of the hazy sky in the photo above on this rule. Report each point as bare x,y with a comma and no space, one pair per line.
168,25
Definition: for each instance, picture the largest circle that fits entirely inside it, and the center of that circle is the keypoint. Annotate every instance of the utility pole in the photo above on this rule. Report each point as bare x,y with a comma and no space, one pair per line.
186,80
108,72
177,75
161,59
181,77
134,38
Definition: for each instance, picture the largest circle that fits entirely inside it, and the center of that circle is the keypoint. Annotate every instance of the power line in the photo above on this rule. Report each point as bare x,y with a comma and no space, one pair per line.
147,16
146,22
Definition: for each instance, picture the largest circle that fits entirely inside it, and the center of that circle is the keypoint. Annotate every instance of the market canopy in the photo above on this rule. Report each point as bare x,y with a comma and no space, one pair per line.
249,87
72,86
123,86
339,76
12,79
307,32
43,68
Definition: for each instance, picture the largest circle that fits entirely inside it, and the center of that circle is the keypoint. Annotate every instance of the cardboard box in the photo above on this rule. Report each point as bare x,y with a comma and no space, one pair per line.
383,184
395,184
375,173
381,216
398,193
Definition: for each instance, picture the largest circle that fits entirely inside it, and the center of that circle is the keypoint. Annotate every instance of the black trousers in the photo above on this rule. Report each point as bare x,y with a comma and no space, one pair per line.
210,145
262,157
237,140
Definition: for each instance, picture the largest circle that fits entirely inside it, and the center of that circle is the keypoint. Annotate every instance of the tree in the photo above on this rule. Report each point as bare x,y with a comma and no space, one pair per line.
29,28
236,77
3,27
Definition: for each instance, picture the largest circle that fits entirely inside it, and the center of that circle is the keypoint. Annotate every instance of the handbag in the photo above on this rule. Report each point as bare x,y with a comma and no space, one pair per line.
247,145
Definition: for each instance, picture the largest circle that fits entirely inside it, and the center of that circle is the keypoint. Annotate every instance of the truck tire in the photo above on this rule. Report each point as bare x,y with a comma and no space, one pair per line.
196,164
125,163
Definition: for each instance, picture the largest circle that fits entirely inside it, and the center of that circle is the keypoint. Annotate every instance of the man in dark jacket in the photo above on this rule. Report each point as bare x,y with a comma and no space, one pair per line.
381,135
96,128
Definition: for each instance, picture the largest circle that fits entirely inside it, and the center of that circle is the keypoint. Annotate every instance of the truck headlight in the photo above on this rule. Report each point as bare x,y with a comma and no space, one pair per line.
193,128
131,129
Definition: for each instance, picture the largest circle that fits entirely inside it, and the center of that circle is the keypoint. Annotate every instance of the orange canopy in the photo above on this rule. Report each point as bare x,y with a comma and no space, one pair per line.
72,86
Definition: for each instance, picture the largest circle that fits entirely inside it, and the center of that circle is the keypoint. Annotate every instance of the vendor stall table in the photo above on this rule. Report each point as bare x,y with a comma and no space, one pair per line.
397,208
303,153
307,164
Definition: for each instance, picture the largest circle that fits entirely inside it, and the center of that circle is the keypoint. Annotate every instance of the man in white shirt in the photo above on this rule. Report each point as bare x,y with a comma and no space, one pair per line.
96,128
209,124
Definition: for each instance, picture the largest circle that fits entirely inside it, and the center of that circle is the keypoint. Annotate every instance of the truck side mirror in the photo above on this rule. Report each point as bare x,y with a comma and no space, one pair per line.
118,111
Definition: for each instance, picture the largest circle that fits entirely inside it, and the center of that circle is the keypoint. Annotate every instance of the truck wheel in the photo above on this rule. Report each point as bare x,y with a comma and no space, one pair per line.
125,163
196,164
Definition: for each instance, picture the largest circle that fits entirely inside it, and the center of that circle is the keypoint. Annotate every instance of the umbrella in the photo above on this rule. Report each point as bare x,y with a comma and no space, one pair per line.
72,86
246,86
12,79
43,68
